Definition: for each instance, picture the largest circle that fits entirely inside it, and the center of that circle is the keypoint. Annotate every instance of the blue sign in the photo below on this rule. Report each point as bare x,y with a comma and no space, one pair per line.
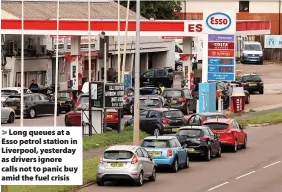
220,69
273,41
216,24
207,97
127,81
221,76
220,61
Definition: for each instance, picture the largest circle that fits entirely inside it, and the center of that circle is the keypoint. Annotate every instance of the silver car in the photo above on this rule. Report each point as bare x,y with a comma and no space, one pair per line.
7,114
125,162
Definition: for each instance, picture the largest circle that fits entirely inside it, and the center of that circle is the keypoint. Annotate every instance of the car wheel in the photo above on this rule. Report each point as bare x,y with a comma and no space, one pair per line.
100,182
244,146
174,167
187,162
248,100
261,92
140,179
157,132
219,152
11,118
208,154
179,68
153,176
235,146
32,113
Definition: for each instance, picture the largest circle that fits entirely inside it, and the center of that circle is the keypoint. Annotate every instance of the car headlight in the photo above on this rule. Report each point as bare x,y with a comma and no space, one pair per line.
245,54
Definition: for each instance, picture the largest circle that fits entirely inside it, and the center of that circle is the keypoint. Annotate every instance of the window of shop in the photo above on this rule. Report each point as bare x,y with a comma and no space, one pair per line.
38,76
5,80
244,6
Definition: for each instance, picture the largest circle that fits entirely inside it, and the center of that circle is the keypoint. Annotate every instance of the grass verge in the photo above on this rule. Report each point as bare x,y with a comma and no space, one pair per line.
89,175
110,138
271,118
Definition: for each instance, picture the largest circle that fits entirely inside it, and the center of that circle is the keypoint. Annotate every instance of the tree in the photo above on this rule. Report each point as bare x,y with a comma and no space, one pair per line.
156,9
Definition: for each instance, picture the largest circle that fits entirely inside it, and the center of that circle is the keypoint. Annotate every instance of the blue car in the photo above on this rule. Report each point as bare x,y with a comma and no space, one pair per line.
166,151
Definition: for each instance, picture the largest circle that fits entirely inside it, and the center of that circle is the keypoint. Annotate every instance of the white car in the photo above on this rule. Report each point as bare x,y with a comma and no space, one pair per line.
14,90
7,114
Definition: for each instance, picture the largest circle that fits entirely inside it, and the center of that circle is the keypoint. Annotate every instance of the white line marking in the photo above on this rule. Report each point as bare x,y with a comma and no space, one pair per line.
246,174
272,164
218,186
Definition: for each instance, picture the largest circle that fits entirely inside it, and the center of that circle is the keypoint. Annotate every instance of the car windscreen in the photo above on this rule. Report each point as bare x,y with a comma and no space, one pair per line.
15,99
173,114
173,94
252,78
155,143
118,154
253,47
147,91
217,126
64,95
84,100
215,117
9,92
191,133
150,102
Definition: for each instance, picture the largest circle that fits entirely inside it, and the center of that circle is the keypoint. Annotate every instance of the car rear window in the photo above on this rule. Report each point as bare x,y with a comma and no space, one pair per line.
118,154
15,99
173,93
147,91
191,133
64,95
9,92
217,126
173,114
155,143
150,102
252,78
216,117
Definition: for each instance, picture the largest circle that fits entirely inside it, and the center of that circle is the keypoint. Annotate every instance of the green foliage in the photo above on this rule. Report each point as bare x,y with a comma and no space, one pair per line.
162,10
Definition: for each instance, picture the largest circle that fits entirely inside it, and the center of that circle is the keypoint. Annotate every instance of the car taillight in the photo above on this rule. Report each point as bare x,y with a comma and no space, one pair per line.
165,121
182,99
101,160
261,83
243,84
71,96
229,132
134,159
169,152
185,120
204,138
125,98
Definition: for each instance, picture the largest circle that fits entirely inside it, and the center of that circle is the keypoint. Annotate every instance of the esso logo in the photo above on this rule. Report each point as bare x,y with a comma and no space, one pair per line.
218,21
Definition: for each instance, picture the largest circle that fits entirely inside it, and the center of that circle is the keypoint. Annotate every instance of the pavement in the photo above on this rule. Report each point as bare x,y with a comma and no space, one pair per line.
255,169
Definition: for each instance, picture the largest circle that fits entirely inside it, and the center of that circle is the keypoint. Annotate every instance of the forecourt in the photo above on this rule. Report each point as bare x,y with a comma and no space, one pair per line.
257,168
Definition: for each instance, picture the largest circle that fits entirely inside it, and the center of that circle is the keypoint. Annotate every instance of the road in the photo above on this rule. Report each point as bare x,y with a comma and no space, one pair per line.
255,169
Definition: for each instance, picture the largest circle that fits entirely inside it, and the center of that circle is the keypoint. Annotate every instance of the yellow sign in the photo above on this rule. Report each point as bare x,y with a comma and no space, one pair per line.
117,164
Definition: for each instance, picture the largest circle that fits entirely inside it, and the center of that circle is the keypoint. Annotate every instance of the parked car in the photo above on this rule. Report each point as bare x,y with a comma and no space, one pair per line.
157,77
252,52
151,101
81,100
7,114
73,118
166,152
229,131
200,140
125,162
14,90
181,99
251,82
198,119
128,105
67,99
35,104
150,90
247,94
157,121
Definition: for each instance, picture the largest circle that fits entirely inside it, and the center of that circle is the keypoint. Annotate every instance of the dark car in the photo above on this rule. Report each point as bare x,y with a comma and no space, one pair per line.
247,94
200,141
181,99
150,90
157,121
157,77
35,104
151,101
251,82
128,101
67,99
200,118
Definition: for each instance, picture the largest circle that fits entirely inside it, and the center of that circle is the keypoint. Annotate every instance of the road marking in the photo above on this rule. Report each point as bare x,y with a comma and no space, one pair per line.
246,174
218,186
272,164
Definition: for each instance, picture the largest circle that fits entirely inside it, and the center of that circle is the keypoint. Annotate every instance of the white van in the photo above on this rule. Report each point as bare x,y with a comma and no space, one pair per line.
252,52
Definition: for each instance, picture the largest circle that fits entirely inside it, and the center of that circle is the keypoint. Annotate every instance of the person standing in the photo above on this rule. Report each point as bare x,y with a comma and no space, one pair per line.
33,84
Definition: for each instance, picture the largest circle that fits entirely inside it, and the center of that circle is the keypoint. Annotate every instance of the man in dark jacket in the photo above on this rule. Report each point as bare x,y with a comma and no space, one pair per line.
33,85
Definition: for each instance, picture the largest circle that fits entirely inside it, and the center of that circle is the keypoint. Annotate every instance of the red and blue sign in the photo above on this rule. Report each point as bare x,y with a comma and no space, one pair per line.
218,21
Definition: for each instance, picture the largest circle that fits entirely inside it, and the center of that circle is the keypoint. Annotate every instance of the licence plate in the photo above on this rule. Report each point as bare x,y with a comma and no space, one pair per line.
175,129
252,85
173,102
154,154
117,164
109,116
61,101
191,150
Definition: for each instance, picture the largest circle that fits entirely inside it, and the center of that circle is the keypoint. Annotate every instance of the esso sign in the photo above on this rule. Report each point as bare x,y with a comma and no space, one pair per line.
218,21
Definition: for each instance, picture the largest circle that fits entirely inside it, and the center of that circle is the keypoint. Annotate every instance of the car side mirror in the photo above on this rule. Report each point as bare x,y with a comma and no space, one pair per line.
184,146
241,127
